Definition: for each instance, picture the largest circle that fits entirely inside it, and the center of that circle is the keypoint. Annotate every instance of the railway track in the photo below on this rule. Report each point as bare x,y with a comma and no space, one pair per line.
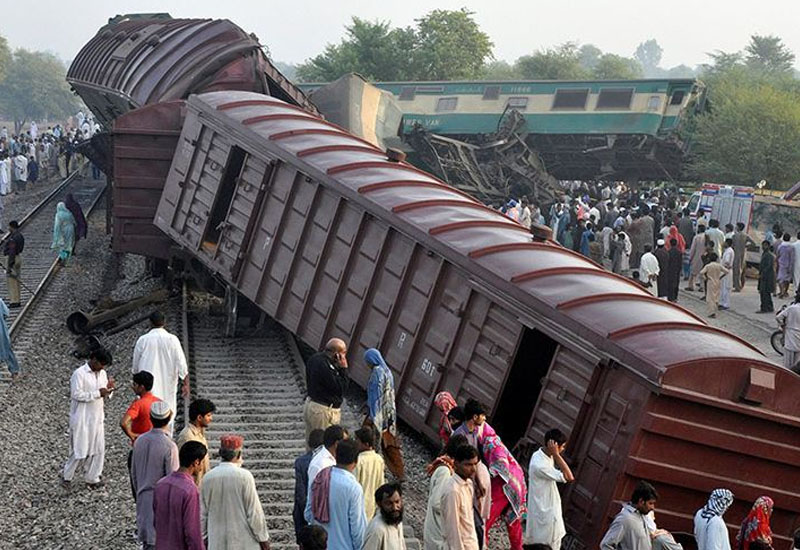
40,264
255,381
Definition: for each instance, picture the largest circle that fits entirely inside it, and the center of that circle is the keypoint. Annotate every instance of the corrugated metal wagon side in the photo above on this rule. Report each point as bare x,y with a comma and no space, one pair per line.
331,238
144,142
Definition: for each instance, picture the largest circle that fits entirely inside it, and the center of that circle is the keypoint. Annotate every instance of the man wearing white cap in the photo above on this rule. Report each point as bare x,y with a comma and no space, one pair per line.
155,455
662,255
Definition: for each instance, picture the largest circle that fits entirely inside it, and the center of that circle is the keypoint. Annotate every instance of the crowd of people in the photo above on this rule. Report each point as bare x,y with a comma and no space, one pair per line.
651,237
34,155
342,500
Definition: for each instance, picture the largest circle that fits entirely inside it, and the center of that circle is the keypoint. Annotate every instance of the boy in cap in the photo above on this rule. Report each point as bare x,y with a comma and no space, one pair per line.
155,455
231,512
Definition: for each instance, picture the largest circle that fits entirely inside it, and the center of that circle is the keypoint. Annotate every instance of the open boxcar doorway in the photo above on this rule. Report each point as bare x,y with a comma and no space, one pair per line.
524,384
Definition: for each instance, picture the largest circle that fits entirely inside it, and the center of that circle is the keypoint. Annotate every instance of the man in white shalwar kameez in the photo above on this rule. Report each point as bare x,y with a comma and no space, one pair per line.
231,515
5,175
727,279
161,354
710,531
649,270
545,523
34,131
89,386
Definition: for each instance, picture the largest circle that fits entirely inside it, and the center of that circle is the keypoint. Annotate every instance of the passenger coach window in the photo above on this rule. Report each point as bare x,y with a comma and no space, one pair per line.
446,104
224,198
615,98
677,97
571,99
491,92
518,103
407,93
654,103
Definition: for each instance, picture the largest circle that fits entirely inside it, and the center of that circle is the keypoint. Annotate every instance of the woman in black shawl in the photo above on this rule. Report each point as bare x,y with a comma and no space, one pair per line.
80,220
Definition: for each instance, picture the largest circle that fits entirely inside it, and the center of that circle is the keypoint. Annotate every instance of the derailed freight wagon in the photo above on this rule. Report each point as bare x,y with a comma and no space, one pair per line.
331,238
141,60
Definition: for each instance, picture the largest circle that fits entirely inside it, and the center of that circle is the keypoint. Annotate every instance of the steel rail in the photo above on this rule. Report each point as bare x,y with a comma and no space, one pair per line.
55,266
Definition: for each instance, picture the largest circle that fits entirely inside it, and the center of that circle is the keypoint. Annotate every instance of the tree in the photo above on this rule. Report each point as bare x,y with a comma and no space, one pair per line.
444,45
5,58
615,67
769,54
681,71
370,48
648,54
749,134
499,70
35,88
589,56
560,63
450,46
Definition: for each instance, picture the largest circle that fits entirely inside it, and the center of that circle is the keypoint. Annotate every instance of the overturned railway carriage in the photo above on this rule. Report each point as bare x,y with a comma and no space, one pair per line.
146,59
331,238
583,130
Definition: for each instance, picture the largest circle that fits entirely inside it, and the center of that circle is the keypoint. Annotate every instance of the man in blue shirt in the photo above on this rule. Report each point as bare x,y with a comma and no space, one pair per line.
336,501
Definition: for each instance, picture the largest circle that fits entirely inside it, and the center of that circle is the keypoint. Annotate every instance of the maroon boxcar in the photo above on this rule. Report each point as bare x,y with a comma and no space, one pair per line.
141,60
332,238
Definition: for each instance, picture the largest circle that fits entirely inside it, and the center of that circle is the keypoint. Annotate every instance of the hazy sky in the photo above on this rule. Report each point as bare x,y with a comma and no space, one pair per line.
295,30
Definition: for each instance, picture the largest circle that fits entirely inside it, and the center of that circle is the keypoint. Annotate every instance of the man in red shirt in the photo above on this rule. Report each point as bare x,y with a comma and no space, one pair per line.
136,419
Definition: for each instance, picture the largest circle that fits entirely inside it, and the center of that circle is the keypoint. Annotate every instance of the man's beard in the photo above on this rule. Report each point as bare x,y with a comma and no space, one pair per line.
391,518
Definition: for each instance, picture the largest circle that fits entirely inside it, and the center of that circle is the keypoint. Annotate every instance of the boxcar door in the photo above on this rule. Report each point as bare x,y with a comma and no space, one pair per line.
598,457
432,355
193,183
233,217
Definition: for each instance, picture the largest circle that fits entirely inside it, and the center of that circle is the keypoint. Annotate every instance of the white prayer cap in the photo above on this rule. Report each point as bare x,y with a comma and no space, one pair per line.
660,242
160,410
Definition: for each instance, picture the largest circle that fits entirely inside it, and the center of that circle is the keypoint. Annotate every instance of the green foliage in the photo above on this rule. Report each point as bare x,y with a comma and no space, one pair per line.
589,55
648,54
450,46
750,133
769,54
499,70
615,67
570,62
444,45
35,88
5,58
560,63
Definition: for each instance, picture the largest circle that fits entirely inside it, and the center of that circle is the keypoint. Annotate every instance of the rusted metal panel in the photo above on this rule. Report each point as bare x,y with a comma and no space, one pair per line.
144,145
138,61
598,458
348,243
563,394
